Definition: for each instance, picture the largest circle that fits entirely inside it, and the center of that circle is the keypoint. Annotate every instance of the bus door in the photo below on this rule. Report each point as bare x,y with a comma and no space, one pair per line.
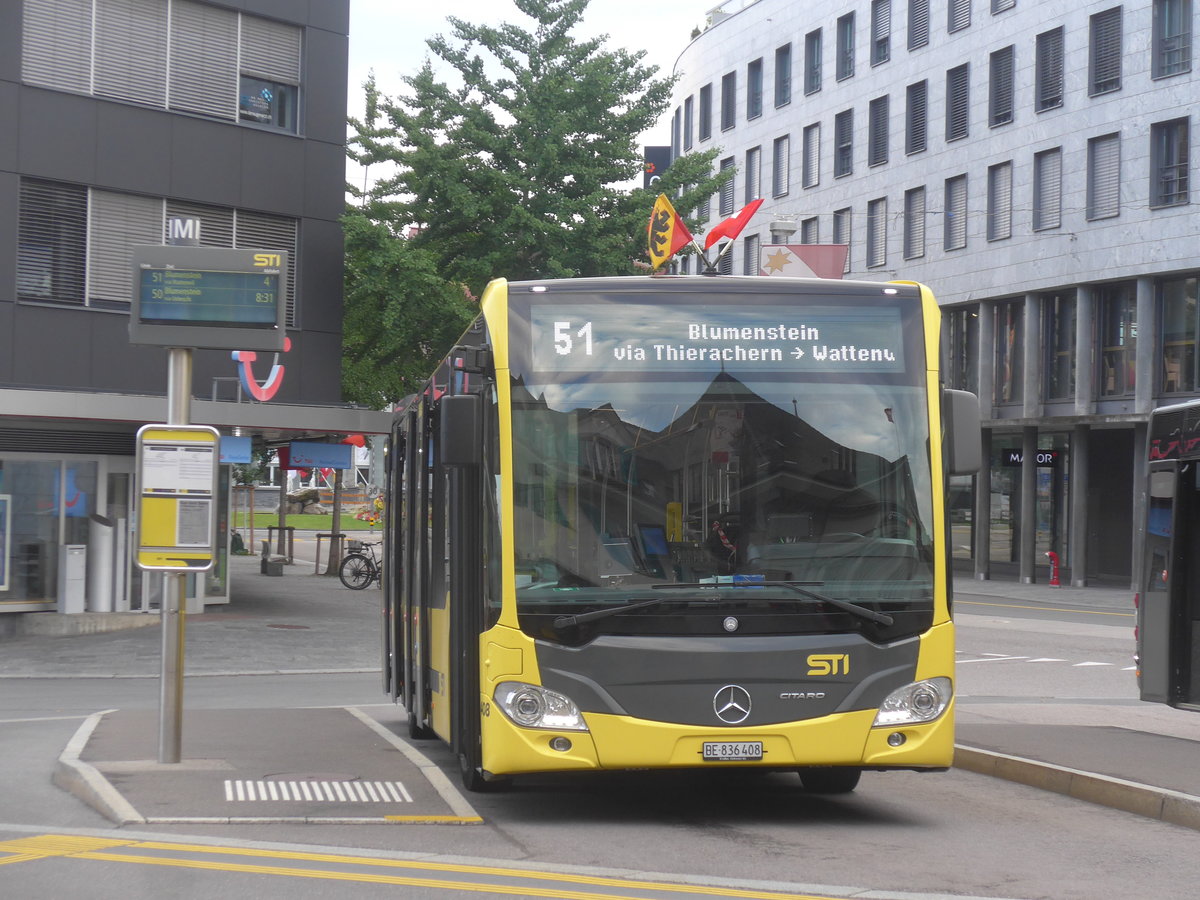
1169,611
394,656
415,549
460,433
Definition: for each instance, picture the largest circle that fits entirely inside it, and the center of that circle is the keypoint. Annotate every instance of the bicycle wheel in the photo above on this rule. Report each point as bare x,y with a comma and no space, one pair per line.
356,572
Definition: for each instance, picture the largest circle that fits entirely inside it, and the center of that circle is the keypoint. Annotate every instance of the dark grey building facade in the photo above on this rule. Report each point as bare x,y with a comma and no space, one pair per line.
116,117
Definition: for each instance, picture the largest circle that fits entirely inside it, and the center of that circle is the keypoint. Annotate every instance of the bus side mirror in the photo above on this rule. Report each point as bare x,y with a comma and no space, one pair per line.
963,445
460,431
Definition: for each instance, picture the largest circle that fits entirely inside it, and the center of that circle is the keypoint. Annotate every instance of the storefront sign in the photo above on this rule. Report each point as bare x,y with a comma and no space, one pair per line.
1015,458
312,455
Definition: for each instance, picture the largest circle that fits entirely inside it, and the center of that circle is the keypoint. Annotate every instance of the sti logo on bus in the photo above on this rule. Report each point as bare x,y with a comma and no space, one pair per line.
267,259
829,664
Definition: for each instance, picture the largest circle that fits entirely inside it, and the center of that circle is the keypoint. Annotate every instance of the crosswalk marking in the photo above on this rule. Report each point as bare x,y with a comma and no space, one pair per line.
240,791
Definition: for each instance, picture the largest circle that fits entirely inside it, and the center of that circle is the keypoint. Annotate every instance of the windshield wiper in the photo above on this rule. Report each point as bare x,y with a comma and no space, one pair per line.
845,605
869,614
567,621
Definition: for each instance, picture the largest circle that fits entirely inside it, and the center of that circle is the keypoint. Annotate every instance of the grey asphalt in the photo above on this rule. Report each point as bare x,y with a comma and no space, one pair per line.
301,622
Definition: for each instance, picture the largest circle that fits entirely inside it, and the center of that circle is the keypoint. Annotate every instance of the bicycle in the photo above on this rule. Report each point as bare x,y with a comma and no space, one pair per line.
361,566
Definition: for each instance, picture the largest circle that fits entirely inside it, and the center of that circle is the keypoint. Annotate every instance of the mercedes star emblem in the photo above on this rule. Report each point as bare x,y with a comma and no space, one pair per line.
732,704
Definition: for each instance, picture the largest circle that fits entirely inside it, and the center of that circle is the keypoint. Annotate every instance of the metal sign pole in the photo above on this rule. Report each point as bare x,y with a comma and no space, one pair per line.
170,709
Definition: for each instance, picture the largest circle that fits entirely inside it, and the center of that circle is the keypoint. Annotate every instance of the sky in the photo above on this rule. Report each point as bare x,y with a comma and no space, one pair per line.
388,36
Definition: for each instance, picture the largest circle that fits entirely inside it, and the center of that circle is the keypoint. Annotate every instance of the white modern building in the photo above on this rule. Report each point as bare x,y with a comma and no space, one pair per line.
1030,162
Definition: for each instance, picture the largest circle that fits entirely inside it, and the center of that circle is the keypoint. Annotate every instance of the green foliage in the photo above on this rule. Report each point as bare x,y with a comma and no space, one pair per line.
400,315
521,168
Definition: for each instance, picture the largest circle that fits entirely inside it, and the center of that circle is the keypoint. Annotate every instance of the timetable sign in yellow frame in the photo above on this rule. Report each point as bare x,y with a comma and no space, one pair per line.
177,497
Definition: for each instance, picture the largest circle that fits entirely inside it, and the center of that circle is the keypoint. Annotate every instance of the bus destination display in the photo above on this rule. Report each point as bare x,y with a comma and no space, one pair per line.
636,338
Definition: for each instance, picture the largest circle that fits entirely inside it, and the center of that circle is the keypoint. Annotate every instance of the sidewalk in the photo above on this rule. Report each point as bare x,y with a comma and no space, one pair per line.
1142,758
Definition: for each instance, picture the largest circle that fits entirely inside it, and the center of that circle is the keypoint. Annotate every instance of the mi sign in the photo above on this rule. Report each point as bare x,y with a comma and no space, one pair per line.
1015,458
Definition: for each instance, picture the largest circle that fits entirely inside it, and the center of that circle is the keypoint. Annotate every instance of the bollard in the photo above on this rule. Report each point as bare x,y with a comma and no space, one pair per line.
1053,568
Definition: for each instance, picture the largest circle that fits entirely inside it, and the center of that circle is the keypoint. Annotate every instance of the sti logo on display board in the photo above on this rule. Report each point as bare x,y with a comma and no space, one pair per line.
209,297
177,474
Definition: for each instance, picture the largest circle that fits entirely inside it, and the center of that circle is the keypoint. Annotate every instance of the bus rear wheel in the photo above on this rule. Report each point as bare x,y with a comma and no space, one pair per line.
832,780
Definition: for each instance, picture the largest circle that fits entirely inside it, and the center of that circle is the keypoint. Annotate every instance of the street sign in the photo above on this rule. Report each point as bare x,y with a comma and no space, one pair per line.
209,297
177,491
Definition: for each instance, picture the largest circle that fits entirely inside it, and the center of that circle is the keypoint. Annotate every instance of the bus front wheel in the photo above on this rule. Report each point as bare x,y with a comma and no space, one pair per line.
831,780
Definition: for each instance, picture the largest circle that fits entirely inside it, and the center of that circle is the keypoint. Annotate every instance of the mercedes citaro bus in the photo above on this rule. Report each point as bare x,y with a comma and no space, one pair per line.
671,522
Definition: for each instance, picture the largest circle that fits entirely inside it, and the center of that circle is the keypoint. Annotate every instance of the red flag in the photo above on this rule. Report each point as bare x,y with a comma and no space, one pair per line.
666,234
731,228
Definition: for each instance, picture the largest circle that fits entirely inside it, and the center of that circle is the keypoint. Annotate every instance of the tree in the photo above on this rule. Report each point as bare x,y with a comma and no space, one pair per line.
522,168
400,315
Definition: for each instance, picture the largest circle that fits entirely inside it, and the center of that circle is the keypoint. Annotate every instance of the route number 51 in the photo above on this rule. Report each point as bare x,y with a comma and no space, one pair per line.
564,343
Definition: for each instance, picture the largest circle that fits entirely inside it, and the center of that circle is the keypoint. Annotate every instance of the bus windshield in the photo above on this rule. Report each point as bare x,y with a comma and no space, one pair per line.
724,489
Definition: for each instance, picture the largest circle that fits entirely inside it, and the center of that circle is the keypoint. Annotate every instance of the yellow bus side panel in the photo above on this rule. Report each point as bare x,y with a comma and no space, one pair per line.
440,669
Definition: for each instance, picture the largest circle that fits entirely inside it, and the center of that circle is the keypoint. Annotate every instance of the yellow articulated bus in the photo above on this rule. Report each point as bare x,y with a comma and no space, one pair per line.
672,522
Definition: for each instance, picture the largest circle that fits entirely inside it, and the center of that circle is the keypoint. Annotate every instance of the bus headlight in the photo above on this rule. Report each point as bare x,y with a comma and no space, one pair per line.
921,701
531,706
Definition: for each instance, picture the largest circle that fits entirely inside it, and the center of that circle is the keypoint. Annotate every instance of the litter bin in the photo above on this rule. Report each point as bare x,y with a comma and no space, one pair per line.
72,578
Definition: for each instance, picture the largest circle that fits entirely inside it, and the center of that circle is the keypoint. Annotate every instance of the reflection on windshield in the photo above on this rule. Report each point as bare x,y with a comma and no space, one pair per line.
622,486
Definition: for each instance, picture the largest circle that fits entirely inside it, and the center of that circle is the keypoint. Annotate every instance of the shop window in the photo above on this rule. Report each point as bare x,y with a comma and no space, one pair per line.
1116,306
962,344
1180,323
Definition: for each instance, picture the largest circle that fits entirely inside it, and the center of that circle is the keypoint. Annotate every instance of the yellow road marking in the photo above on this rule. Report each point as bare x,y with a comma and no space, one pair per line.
1088,612
435,820
101,850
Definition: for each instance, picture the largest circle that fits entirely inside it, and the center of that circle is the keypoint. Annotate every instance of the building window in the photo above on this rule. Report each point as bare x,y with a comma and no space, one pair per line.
962,339
1000,88
1172,38
841,232
810,230
705,124
675,127
843,143
1177,301
725,206
958,15
753,174
724,259
877,232
918,24
915,128
754,89
999,213
728,100
999,6
1169,163
955,229
845,46
881,31
51,236
688,113
1104,177
751,262
1010,351
1058,332
811,162
781,164
180,55
958,102
1048,87
75,245
1047,189
1104,46
877,131
1116,306
914,223
812,62
783,75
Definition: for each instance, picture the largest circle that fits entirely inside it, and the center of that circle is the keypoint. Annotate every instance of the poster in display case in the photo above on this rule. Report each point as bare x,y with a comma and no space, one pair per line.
5,540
